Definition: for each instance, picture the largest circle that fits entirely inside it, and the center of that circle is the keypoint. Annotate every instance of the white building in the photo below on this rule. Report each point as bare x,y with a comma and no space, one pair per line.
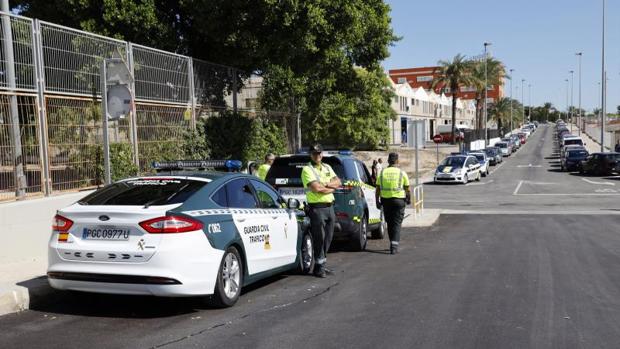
431,108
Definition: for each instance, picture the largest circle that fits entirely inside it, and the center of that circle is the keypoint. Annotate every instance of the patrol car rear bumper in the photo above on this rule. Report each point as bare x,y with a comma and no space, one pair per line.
183,265
345,229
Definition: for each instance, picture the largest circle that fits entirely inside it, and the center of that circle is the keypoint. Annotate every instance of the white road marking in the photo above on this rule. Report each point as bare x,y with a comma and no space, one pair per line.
567,194
599,183
497,167
606,190
530,165
527,212
481,183
518,187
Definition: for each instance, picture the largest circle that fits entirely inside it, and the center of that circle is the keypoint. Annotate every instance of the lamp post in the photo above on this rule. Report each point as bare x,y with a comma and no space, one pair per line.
570,108
511,128
603,85
522,100
566,99
529,102
486,88
579,54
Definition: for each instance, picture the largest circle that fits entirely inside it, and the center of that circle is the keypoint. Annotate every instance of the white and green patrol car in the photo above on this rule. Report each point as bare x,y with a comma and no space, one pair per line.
356,210
179,233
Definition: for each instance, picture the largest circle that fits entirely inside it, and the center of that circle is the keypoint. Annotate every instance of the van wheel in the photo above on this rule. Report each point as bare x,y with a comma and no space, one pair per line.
361,236
379,233
306,254
229,280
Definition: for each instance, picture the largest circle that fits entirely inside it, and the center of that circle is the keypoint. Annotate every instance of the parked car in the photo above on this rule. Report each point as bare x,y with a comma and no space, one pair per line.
505,148
458,168
570,141
522,137
573,157
481,156
355,206
601,164
494,154
516,141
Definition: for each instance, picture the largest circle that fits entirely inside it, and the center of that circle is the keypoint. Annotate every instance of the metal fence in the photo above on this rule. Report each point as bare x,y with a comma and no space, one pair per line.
50,105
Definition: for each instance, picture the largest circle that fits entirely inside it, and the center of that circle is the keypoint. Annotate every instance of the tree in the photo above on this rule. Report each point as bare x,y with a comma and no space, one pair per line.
500,112
495,73
310,48
453,74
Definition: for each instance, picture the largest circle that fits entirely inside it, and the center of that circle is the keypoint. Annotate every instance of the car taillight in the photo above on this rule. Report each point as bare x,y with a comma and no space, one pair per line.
342,215
170,224
61,223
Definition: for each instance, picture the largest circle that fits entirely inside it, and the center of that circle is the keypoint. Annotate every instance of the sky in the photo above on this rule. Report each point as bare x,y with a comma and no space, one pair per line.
538,39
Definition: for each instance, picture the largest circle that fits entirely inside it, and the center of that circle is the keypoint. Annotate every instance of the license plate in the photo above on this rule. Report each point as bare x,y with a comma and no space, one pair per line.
292,191
108,234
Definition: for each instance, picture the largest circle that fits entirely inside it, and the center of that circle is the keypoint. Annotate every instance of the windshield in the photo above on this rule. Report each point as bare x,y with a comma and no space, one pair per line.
455,161
502,145
143,191
286,171
490,152
480,157
577,154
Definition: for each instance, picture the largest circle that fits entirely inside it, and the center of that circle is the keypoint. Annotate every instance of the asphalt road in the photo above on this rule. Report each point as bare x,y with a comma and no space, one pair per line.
526,274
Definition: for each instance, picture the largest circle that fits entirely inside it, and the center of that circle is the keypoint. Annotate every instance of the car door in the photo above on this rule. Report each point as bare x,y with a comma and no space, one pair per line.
368,189
254,227
283,235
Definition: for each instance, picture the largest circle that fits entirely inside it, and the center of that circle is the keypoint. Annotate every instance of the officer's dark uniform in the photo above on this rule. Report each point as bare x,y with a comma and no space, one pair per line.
320,209
393,195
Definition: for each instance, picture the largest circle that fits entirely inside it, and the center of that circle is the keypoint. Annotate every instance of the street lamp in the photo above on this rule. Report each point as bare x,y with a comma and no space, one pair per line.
486,88
522,100
566,99
570,109
511,78
603,85
579,54
529,98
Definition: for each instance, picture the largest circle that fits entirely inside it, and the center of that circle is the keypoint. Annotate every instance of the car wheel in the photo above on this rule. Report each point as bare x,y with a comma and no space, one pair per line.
379,233
479,176
361,236
487,172
306,254
465,179
229,279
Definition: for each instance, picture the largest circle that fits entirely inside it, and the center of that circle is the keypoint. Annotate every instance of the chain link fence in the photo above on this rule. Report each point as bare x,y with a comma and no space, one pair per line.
50,106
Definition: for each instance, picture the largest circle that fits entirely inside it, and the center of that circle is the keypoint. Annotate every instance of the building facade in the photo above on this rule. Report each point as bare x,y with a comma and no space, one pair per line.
431,108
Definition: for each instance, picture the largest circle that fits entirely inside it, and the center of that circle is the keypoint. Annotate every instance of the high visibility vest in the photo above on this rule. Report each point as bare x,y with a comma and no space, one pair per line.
262,171
322,175
392,181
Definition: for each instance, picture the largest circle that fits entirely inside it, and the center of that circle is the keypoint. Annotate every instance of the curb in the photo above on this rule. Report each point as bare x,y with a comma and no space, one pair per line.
426,219
15,297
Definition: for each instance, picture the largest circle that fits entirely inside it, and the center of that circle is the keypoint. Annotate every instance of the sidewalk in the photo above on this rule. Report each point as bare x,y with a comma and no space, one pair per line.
426,218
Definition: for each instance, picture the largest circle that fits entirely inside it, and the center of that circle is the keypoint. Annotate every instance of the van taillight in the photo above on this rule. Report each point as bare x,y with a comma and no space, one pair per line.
171,224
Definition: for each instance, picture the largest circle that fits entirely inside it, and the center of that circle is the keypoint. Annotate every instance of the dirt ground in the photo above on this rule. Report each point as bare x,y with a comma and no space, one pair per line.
427,162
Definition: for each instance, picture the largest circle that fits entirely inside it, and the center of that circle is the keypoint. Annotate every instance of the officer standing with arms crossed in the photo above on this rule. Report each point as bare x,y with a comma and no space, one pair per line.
320,181
393,194
264,168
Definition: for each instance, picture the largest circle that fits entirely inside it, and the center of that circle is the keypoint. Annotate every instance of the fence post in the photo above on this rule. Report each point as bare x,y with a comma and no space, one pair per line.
192,91
134,114
14,130
37,53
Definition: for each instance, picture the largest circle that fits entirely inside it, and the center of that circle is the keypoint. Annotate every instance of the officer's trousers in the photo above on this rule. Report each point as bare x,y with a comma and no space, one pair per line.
394,212
322,221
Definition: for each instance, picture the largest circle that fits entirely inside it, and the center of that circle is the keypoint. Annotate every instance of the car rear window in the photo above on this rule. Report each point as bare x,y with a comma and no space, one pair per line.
286,171
502,145
480,157
145,191
577,153
572,141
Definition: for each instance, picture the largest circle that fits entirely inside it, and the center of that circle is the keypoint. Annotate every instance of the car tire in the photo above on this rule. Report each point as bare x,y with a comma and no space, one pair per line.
479,176
379,233
487,172
465,179
226,295
306,254
360,238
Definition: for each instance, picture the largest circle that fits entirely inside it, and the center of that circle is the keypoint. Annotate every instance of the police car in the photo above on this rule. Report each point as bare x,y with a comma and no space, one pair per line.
356,210
179,233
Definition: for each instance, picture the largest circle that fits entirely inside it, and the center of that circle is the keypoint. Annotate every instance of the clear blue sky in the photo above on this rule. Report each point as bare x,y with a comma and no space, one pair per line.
538,39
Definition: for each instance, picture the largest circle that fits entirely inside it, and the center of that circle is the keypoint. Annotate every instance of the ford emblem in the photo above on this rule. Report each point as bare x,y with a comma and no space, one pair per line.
104,218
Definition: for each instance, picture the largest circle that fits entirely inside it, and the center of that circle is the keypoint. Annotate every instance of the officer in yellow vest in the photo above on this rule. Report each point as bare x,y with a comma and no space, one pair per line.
393,195
264,168
320,181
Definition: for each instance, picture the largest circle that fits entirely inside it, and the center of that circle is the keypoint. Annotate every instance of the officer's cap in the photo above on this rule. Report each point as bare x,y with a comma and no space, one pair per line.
316,149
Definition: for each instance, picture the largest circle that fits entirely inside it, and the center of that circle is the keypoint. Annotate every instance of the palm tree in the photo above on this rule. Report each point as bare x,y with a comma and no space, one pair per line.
495,73
500,112
453,75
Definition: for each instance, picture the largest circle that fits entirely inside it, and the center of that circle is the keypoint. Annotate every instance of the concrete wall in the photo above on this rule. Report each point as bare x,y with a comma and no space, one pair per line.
476,145
25,227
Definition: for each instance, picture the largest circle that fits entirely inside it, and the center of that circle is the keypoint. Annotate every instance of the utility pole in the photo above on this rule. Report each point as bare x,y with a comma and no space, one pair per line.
603,85
529,102
15,131
511,78
579,126
522,100
570,109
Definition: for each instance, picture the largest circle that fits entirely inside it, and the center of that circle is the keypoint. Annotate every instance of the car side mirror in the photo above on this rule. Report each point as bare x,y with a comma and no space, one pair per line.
292,203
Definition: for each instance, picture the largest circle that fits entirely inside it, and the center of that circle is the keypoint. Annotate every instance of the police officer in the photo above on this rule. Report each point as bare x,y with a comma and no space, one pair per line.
320,181
264,168
393,195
